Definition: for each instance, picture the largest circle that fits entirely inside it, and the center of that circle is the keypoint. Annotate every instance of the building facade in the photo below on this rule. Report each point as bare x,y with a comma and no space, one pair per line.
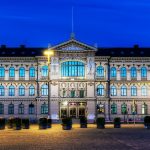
84,81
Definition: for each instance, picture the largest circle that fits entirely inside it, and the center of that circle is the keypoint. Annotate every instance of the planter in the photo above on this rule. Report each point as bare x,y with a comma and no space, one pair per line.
17,124
117,122
25,123
83,122
2,123
49,123
147,122
66,123
43,123
10,123
100,123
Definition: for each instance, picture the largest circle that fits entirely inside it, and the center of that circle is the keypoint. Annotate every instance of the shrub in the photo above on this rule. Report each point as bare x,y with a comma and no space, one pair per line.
10,123
43,123
49,123
25,123
83,120
17,123
100,122
2,123
117,122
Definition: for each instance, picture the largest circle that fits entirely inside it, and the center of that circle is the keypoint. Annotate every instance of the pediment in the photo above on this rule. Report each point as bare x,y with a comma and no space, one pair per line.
73,45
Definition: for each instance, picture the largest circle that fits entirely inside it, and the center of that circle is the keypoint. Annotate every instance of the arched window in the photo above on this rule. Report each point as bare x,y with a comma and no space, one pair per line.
100,71
100,90
143,72
44,71
21,72
21,90
72,69
2,90
123,90
11,90
143,91
133,91
144,109
31,109
2,72
123,72
1,108
11,109
124,108
44,108
134,108
31,90
113,72
11,72
32,72
21,109
133,72
113,91
44,90
114,108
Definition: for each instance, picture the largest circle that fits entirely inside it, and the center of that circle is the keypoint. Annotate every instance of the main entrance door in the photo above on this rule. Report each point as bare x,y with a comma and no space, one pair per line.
73,109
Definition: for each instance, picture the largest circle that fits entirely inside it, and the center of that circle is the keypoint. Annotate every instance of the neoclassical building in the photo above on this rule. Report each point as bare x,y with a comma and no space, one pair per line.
84,81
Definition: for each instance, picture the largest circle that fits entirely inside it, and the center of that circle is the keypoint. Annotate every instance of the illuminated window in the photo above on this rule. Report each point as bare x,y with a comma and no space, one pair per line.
113,72
114,108
144,109
31,90
2,72
21,109
72,93
100,90
44,90
32,72
143,72
11,72
113,91
133,91
1,108
21,72
133,72
72,69
44,109
123,72
100,71
21,90
31,108
44,71
2,90
123,90
143,91
11,90
11,109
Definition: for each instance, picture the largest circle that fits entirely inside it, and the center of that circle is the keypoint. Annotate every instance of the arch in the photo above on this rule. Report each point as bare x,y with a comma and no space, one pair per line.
133,72
113,91
11,90
31,108
2,72
114,108
44,108
44,90
21,109
11,108
123,90
21,72
143,72
72,69
32,72
21,90
2,90
124,108
100,71
144,90
11,72
44,71
31,90
133,90
123,72
100,90
113,72
144,109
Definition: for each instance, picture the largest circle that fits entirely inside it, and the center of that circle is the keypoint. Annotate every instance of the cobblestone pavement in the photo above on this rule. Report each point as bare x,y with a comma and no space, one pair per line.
127,138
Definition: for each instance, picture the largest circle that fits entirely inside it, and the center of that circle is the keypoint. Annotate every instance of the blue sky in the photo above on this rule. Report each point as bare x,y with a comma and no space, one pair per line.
109,23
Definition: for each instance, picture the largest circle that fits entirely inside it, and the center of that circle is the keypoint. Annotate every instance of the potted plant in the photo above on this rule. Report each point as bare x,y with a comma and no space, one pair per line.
25,123
2,123
49,123
147,122
117,122
100,122
83,122
10,123
66,123
17,124
43,123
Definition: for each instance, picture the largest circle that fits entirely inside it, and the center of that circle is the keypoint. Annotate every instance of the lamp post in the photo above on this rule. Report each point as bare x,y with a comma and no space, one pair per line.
49,53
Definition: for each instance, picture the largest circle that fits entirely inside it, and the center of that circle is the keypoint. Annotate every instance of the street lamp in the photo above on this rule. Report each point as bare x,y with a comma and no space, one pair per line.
49,53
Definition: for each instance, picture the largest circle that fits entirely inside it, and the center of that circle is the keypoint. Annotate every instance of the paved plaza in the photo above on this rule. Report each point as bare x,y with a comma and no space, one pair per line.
129,137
